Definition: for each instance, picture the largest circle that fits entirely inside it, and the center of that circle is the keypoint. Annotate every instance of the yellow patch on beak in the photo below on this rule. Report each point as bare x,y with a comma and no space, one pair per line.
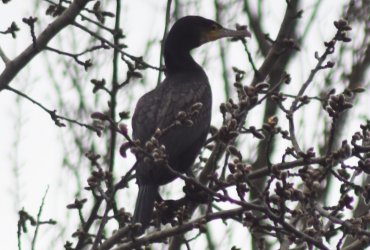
212,35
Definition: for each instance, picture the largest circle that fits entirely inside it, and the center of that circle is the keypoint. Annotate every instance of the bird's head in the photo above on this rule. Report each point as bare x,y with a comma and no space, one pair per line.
192,31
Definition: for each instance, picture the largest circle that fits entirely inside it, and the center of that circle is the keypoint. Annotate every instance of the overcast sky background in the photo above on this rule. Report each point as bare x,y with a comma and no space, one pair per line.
39,153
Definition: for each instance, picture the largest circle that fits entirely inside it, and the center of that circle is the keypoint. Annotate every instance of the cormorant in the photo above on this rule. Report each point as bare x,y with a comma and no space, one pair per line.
186,84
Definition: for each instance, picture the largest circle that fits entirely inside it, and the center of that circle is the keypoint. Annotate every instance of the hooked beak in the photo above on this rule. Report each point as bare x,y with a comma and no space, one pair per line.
223,32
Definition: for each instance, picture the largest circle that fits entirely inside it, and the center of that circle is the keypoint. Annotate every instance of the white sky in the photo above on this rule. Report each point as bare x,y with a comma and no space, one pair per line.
39,152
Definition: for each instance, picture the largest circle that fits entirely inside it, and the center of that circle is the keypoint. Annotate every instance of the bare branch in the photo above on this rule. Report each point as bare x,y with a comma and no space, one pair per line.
14,66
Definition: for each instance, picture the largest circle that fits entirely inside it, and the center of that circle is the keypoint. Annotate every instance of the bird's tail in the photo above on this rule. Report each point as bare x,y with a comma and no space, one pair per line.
145,205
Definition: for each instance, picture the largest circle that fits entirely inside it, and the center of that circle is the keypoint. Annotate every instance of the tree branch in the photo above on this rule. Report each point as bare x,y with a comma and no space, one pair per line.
13,67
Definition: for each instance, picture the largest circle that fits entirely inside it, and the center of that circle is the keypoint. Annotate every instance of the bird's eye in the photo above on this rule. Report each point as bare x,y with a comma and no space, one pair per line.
214,27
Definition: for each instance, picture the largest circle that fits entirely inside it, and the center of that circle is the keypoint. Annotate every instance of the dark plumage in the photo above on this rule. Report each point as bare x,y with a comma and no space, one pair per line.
186,84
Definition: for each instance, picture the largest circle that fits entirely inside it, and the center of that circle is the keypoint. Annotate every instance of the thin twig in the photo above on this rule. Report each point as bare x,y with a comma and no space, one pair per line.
52,113
167,21
38,221
3,56
134,58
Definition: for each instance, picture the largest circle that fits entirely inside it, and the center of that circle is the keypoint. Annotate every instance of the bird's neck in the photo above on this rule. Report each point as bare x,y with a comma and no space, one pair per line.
177,61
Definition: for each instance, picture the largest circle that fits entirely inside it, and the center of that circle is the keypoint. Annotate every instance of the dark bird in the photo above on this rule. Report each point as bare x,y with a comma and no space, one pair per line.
186,86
